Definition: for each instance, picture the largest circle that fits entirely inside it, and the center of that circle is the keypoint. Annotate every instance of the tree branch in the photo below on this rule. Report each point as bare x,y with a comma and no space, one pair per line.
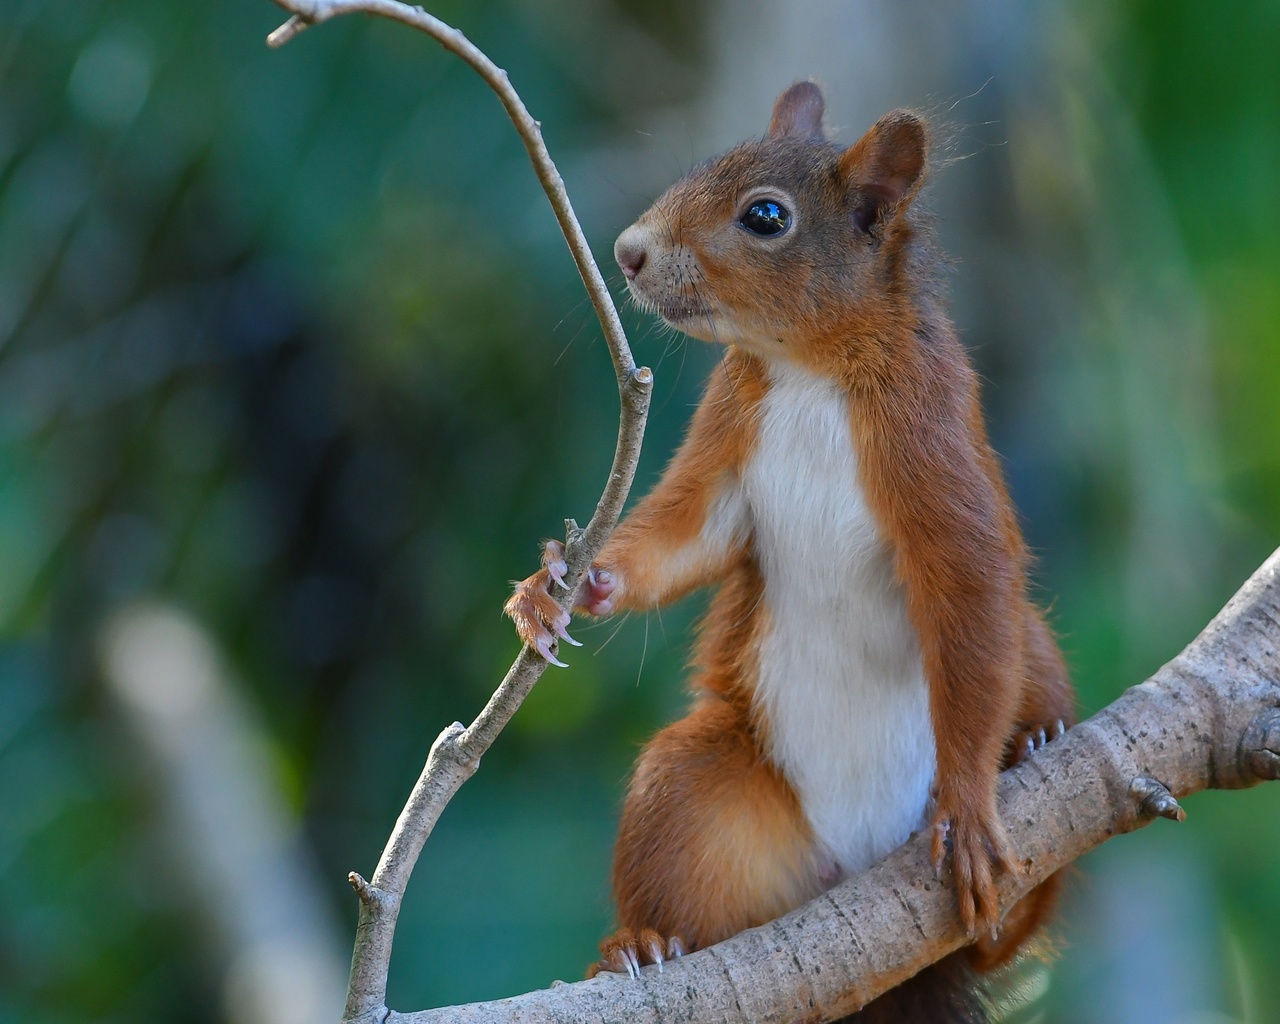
1209,719
455,755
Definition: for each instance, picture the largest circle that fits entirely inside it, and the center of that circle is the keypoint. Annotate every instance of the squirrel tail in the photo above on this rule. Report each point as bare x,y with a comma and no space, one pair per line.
949,992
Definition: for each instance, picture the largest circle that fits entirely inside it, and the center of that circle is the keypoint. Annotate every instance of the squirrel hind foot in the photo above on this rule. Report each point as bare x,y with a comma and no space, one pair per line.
978,849
1027,741
626,951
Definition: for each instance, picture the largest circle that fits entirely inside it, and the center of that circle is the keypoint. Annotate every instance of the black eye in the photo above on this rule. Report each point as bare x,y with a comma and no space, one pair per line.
766,217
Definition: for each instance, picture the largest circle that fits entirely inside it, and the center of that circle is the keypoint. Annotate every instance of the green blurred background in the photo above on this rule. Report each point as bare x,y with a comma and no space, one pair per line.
291,352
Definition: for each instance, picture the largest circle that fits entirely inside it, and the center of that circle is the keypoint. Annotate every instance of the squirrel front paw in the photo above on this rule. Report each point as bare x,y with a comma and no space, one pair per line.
538,617
625,952
979,848
594,594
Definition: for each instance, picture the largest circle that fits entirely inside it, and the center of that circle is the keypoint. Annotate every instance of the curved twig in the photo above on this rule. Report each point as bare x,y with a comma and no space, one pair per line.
456,753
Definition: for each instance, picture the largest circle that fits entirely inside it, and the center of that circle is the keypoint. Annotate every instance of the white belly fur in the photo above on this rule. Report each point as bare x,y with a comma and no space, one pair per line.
841,680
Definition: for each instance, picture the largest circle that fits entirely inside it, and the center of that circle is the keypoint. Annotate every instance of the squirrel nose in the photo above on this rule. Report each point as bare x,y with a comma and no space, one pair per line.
630,252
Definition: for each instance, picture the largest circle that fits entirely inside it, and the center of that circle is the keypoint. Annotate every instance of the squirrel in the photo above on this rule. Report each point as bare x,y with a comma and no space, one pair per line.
871,660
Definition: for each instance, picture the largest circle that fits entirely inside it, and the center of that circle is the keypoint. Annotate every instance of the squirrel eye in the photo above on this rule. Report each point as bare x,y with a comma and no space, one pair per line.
766,217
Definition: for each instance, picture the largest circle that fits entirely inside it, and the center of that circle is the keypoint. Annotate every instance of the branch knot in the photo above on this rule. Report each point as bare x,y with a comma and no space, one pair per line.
1155,800
377,900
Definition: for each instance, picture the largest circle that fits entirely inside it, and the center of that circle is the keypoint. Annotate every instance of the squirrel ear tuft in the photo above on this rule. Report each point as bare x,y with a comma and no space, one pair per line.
887,165
798,112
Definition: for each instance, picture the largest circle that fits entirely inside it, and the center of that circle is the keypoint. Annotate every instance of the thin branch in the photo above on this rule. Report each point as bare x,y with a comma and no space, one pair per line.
456,753
1209,719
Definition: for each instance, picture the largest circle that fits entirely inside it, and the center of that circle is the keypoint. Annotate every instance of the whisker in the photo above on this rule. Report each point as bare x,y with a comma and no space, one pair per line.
971,95
609,639
643,651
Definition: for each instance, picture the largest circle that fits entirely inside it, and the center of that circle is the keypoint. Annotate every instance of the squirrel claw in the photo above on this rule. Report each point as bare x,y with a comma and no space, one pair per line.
651,943
543,647
553,561
563,633
941,846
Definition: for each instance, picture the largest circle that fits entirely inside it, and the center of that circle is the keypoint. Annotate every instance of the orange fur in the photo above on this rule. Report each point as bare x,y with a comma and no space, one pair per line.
713,836
655,552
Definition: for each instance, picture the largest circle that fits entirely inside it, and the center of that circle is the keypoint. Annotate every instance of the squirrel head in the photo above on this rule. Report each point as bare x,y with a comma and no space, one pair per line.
782,241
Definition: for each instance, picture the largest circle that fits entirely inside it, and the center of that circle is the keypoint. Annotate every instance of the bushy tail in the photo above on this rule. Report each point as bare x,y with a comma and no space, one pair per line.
949,992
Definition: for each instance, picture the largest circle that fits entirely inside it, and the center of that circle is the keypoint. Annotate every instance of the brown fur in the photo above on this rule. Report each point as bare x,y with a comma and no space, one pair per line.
713,838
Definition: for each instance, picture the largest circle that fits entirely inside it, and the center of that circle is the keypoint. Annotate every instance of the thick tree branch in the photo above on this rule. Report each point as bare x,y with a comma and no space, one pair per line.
456,753
1209,719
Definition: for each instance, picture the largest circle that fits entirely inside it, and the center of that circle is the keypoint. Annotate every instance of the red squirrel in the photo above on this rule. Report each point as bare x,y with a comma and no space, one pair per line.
871,660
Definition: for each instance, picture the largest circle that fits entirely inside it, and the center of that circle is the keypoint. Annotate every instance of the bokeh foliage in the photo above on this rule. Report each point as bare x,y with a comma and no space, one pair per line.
291,339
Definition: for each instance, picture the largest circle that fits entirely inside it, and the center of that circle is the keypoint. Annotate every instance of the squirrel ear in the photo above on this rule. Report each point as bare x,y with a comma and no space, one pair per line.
886,165
798,112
